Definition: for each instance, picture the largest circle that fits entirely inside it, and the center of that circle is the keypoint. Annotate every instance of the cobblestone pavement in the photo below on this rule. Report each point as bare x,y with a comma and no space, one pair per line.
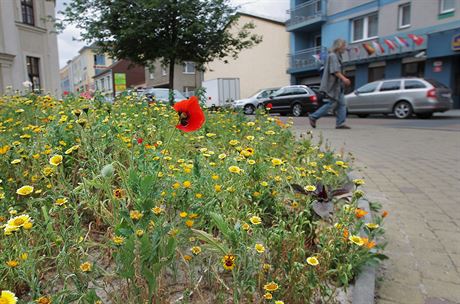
415,174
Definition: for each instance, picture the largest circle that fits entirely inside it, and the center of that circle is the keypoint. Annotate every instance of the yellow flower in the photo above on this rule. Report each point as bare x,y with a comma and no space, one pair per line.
27,225
251,161
43,300
228,261
259,248
56,160
86,267
7,297
217,188
279,302
245,226
187,184
176,185
4,149
139,232
222,156
264,184
372,225
12,264
189,223
276,162
268,296
24,256
266,267
356,240
233,142
235,169
183,214
135,215
255,220
47,171
118,240
313,261
25,190
358,182
198,195
61,201
215,177
250,137
18,221
15,161
271,287
157,210
196,250
310,188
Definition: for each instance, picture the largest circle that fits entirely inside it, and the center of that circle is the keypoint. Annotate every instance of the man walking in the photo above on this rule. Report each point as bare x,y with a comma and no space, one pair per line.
331,87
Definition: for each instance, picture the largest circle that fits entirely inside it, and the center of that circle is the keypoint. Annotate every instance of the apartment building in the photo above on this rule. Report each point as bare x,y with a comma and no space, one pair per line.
28,46
78,74
387,39
187,78
263,66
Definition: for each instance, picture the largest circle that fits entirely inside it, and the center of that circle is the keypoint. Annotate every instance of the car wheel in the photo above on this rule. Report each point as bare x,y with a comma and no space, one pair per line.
248,109
424,115
297,110
402,110
363,115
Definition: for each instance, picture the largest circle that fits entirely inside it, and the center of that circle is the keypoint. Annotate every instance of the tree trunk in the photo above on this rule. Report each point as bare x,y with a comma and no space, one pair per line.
171,81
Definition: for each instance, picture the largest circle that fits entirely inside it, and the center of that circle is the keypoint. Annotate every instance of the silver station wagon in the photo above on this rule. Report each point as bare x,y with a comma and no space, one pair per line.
402,97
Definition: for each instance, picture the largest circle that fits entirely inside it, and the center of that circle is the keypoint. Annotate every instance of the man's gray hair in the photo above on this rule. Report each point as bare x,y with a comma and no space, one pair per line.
338,43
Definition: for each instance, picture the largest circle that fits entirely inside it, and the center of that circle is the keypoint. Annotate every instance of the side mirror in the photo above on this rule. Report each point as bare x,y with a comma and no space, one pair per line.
271,97
356,92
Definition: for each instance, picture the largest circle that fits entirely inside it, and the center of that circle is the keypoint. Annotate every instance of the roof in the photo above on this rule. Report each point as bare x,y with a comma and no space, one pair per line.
262,17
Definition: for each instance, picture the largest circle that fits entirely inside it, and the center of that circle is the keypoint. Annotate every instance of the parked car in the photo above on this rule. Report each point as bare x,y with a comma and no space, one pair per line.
249,105
160,95
402,97
297,100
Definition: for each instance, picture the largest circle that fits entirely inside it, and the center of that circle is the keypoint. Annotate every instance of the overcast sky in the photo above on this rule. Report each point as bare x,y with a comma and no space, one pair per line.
69,46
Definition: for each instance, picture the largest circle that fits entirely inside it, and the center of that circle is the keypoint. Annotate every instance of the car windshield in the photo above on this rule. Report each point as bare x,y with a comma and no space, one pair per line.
279,92
163,94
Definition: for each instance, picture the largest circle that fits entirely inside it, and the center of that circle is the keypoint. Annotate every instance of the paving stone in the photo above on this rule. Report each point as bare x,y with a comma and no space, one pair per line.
401,293
438,289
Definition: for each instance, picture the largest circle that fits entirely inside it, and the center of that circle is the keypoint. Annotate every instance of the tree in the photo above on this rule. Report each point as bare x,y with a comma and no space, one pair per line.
173,31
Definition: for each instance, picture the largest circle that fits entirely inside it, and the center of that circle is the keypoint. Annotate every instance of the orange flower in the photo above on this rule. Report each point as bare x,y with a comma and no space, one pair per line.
191,117
119,193
368,244
360,212
345,233
384,213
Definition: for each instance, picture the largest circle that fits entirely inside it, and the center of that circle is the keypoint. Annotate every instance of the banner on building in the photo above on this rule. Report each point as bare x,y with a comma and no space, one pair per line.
456,42
120,82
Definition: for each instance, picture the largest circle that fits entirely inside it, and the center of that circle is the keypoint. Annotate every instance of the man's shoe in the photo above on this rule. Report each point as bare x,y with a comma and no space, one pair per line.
343,127
312,122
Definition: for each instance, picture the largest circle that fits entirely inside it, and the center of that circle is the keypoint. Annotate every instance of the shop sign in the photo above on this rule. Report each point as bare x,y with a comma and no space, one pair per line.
437,66
456,42
120,82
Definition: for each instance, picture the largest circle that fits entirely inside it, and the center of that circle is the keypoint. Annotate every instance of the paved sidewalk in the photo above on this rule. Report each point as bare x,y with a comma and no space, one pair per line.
415,174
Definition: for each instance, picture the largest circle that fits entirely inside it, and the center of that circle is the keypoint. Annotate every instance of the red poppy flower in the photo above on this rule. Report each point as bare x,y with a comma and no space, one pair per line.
191,117
269,106
140,140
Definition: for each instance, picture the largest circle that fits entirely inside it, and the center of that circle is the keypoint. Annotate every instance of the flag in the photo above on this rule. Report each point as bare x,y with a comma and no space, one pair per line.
369,49
390,43
378,46
316,56
418,40
401,41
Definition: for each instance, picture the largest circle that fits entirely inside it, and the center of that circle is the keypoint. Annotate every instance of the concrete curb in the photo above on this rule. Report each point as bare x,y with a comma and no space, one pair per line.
364,287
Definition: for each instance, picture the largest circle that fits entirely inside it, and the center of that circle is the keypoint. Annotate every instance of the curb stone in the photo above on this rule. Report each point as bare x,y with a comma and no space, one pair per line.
364,287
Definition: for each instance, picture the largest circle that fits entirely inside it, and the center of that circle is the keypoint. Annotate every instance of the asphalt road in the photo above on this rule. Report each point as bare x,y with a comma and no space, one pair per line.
449,121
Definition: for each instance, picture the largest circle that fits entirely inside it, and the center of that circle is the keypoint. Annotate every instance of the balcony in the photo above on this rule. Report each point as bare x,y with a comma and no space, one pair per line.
306,14
305,60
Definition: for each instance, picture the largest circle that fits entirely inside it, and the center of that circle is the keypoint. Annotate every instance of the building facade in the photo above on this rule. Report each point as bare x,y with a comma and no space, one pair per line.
262,66
187,78
121,75
28,46
78,74
386,39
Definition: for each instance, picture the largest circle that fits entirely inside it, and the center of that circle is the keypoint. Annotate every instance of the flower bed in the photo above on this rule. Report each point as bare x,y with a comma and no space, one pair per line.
112,203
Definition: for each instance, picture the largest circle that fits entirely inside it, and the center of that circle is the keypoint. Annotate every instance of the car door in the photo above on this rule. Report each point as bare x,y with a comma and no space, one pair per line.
388,93
282,101
300,95
360,101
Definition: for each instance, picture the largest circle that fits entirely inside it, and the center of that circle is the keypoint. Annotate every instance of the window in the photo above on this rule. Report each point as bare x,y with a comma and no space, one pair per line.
27,8
446,6
376,73
99,60
390,86
404,16
33,71
102,84
189,91
299,91
151,74
318,41
368,88
413,84
413,69
365,27
189,68
163,71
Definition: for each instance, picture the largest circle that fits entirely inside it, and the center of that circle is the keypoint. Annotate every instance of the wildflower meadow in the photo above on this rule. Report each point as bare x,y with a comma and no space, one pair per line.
133,202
